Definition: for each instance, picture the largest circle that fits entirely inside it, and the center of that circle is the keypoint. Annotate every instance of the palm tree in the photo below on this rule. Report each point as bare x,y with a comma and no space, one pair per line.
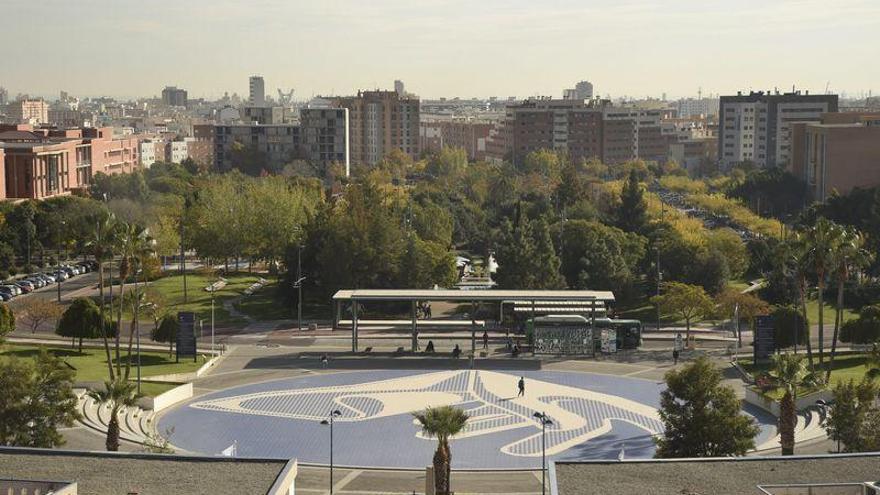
795,252
140,246
126,234
117,394
100,245
850,256
790,372
442,422
821,239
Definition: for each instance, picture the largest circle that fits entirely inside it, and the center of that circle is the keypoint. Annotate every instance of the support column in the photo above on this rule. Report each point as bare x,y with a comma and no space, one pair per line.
337,315
473,329
354,326
415,329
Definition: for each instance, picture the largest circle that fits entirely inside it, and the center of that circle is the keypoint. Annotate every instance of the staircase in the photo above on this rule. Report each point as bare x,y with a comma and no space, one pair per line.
135,424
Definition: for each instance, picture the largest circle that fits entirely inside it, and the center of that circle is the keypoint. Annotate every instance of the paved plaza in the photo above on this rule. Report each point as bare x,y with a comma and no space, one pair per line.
595,416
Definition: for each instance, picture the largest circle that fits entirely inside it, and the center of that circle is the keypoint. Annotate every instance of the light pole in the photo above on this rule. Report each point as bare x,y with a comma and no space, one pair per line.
333,414
213,289
545,420
825,406
299,281
60,241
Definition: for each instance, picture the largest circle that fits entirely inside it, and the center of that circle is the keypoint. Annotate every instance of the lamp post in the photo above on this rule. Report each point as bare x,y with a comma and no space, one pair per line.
60,242
545,420
333,414
213,289
299,281
825,406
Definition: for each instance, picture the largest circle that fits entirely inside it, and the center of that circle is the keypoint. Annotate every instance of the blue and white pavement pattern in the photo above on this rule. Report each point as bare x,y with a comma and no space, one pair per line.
594,417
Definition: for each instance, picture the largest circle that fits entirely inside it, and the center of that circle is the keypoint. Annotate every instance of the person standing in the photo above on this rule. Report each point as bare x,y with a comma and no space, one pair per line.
522,386
485,340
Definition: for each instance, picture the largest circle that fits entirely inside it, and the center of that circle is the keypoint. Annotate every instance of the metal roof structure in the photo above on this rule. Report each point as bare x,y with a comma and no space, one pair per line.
472,295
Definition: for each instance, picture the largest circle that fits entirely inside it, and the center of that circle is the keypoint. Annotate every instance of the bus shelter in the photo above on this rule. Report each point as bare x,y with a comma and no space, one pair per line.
532,298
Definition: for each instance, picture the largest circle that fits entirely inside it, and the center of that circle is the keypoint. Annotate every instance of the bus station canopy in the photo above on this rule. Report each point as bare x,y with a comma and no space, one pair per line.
472,295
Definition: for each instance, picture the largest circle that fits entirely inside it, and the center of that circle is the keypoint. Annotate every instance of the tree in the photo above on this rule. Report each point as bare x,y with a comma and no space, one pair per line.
117,394
789,327
796,262
850,256
35,311
100,244
821,242
728,244
632,216
790,372
37,400
7,321
865,329
732,303
166,331
442,423
853,414
82,320
701,416
600,257
687,302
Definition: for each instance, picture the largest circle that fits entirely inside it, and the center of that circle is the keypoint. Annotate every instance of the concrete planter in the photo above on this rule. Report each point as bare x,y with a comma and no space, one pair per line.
772,406
168,399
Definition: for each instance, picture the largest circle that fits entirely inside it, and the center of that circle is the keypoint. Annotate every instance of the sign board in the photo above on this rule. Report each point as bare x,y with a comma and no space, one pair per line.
765,338
609,341
186,334
564,340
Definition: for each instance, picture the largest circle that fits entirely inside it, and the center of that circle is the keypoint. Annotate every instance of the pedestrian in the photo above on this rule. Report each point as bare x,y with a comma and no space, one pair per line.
429,349
674,356
456,352
522,386
416,336
428,308
325,360
485,340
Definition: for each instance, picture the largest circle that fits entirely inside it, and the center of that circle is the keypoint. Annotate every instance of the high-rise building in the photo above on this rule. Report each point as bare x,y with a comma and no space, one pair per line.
838,153
257,91
4,96
584,90
399,88
471,135
28,111
379,122
573,126
173,96
693,107
757,127
324,136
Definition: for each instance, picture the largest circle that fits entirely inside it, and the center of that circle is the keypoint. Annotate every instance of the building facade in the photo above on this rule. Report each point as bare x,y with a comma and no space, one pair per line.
380,122
757,127
256,91
584,90
34,112
279,144
837,154
325,137
173,96
468,134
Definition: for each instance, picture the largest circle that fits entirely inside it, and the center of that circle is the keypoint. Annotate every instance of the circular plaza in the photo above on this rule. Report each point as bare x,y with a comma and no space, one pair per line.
594,416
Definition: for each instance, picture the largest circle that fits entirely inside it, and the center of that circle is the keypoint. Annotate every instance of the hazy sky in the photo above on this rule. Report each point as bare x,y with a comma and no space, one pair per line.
438,47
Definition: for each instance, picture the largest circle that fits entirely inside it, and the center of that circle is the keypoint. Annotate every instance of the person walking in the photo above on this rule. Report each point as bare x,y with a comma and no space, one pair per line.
485,340
522,386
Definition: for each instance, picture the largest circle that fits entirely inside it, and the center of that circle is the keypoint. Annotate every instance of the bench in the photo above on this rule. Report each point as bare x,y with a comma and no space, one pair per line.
368,350
399,350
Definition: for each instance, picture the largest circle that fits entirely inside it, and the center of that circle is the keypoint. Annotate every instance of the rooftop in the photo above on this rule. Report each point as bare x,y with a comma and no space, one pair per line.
471,295
718,476
105,473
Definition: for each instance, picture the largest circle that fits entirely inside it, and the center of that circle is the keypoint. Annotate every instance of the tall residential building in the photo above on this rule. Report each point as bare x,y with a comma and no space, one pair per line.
694,107
584,90
381,121
399,87
469,134
324,136
173,96
573,126
257,91
28,111
757,127
4,96
837,154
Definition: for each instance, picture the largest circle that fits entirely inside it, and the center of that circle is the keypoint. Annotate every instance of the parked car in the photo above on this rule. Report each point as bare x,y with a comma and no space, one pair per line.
5,296
26,287
37,282
16,290
48,277
61,275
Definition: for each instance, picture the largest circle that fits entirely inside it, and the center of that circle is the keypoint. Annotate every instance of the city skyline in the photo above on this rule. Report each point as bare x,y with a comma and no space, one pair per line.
442,48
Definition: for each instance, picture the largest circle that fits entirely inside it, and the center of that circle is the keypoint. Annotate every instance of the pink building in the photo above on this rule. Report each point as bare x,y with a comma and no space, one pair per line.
40,163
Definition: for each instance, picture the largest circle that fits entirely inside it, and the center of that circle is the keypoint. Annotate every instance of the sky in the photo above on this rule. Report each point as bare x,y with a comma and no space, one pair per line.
466,48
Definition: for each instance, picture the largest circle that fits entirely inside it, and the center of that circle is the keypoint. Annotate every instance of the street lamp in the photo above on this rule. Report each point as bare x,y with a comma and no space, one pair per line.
213,289
545,420
298,285
58,258
825,406
333,414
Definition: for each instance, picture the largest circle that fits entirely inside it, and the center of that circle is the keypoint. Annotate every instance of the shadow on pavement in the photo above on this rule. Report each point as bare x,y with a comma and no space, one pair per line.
348,362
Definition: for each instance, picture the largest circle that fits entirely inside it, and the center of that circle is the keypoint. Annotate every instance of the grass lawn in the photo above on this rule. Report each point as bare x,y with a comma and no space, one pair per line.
198,299
828,312
91,365
846,367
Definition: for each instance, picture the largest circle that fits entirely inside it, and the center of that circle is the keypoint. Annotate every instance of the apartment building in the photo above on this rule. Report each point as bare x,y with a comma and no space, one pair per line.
573,126
44,162
757,127
469,134
256,91
325,136
173,96
837,154
280,143
28,111
379,122
645,129
695,107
